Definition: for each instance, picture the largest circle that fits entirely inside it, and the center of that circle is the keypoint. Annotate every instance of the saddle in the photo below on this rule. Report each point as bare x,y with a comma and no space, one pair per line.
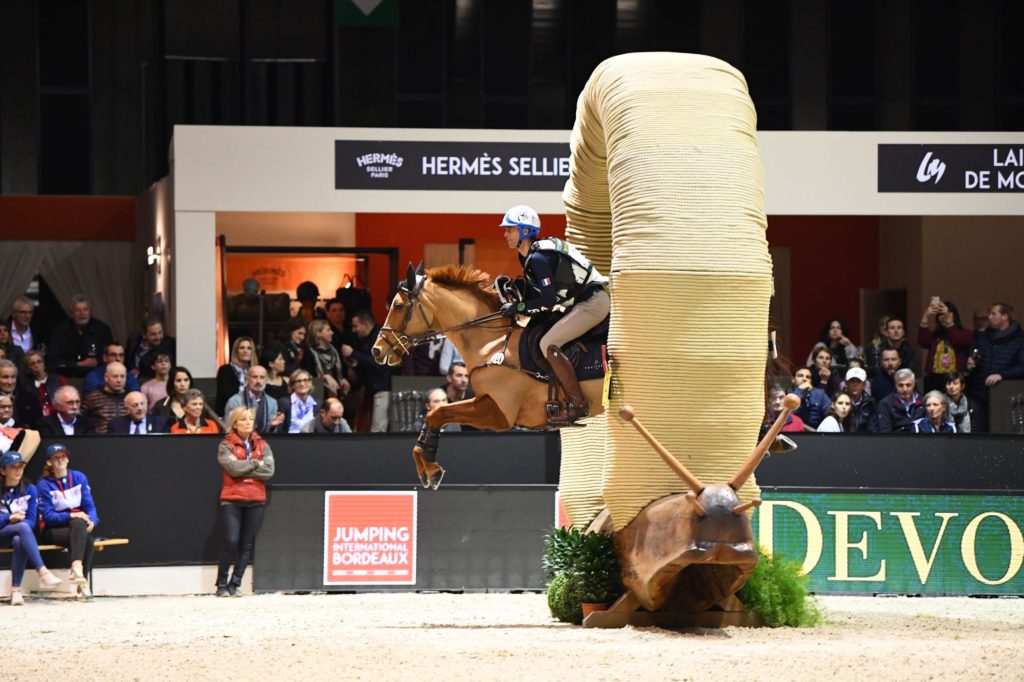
586,353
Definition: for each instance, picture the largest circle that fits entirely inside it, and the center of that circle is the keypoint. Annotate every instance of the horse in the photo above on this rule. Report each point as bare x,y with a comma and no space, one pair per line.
461,303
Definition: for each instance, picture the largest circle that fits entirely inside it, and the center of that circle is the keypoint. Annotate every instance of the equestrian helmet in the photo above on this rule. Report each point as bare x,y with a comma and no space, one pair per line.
525,218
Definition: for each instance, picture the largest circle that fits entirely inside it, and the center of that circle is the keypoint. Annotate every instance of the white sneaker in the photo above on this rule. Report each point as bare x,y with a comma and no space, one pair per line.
48,580
83,593
77,577
17,599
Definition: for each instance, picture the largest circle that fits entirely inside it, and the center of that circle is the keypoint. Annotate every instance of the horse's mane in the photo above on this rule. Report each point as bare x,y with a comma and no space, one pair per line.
466,278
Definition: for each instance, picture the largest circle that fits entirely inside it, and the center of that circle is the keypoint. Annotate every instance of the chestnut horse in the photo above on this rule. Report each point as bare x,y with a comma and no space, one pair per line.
461,303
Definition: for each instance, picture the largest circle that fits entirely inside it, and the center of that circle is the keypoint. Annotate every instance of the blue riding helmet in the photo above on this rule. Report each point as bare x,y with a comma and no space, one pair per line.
523,217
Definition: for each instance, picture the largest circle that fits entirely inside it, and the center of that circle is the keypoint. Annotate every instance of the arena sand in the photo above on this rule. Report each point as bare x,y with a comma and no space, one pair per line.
494,637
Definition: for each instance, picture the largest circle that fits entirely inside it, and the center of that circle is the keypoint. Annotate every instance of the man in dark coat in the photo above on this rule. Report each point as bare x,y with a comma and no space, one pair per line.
76,343
1000,354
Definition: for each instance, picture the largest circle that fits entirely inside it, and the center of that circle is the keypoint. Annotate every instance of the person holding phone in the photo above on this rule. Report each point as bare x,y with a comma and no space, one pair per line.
947,342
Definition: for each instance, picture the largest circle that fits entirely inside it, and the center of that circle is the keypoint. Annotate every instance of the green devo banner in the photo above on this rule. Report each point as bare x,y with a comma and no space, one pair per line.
885,543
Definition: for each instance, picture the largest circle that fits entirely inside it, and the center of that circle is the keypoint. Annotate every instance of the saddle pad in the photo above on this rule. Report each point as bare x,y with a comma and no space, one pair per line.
585,353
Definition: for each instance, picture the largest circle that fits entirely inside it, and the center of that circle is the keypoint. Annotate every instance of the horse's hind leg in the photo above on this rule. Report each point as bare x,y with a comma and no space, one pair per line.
481,412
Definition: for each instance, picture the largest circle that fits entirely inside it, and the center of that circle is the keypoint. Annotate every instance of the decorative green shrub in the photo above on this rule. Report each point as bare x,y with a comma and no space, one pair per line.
778,593
591,556
566,595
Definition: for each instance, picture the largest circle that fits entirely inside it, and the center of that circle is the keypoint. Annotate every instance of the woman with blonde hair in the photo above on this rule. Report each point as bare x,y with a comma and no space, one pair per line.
231,377
247,463
299,408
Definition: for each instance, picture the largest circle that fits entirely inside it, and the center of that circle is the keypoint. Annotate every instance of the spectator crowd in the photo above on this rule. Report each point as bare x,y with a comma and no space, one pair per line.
83,381
844,388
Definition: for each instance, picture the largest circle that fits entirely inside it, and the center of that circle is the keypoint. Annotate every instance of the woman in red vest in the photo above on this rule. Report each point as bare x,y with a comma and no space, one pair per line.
248,464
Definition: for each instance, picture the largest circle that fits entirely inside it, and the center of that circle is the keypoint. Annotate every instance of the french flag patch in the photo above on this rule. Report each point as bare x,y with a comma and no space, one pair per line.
545,282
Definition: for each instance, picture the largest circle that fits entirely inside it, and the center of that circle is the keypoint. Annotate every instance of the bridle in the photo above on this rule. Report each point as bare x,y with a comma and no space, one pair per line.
401,343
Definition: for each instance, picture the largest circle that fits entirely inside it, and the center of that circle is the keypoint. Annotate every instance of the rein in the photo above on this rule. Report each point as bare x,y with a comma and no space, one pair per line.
400,343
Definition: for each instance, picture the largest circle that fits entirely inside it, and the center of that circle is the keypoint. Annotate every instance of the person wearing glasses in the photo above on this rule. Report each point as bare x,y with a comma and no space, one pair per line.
330,420
299,408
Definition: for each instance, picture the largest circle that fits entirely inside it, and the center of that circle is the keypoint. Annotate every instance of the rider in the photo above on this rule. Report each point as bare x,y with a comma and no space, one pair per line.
556,274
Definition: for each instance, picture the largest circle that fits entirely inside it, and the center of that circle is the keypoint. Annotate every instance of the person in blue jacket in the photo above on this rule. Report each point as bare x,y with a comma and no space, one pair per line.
68,512
18,509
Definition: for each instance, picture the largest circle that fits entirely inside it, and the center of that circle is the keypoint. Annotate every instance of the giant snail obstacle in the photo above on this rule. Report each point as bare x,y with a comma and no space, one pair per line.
665,195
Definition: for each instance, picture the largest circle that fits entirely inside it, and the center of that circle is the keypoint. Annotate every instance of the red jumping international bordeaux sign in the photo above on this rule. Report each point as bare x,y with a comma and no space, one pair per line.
370,538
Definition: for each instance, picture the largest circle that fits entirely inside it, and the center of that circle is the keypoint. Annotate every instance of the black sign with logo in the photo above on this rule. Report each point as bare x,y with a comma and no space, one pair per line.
951,168
492,166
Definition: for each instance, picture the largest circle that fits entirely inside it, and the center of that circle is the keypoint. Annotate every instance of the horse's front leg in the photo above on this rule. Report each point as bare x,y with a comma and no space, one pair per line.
480,412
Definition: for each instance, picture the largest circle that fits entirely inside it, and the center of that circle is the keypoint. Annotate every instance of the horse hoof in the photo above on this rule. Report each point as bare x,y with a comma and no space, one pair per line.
435,478
425,480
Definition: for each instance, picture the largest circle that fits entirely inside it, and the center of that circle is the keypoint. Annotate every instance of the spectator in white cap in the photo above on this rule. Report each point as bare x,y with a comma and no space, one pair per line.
863,408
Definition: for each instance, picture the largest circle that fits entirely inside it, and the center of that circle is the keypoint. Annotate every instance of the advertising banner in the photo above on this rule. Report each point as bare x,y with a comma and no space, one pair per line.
898,543
370,538
950,168
456,166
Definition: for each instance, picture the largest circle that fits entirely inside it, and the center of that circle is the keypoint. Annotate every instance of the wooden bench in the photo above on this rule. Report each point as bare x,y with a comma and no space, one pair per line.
98,545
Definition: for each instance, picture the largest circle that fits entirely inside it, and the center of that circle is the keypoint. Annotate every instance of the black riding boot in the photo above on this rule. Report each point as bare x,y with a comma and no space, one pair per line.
575,406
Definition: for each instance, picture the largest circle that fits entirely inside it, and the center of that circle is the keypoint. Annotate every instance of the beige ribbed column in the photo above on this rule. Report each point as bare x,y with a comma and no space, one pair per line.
666,188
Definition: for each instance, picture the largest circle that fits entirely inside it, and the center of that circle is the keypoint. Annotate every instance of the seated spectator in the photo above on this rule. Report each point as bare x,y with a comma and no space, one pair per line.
76,343
8,349
965,413
68,512
322,360
254,396
27,410
331,419
143,346
17,525
884,383
936,419
1000,354
833,337
814,402
873,348
898,411
155,389
231,377
300,407
457,385
436,398
112,352
863,408
856,362
947,342
840,415
277,383
776,396
293,344
824,374
23,333
194,419
335,313
247,463
896,337
67,419
107,403
137,421
36,378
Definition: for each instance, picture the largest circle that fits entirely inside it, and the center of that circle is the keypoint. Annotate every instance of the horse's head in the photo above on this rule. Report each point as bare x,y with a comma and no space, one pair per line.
408,317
